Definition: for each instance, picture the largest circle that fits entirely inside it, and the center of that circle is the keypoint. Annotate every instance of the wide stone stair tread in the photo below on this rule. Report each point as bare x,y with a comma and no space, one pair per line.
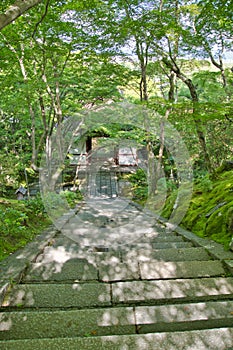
172,290
82,270
92,254
152,270
166,238
181,269
177,317
79,295
83,295
68,323
72,269
71,249
169,254
84,265
165,245
116,321
211,339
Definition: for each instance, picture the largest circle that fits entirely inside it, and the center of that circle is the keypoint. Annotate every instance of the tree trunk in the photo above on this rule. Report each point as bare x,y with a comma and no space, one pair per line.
151,172
171,98
171,93
218,65
193,92
33,139
16,10
162,145
29,103
142,54
143,83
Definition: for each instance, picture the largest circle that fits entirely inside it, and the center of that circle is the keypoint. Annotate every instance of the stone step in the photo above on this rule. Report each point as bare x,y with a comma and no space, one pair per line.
80,295
167,245
62,248
61,254
152,246
159,270
68,244
115,321
160,238
70,270
170,291
82,270
166,238
67,323
213,339
189,269
170,254
161,233
83,295
184,316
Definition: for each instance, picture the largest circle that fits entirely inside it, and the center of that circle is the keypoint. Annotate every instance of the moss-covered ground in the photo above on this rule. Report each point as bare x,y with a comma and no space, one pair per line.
210,213
20,222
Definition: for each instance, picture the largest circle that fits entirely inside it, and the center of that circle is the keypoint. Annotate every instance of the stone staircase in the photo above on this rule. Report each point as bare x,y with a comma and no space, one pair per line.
168,289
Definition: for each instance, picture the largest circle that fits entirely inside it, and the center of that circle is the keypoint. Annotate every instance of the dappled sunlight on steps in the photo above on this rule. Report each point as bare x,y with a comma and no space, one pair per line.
163,290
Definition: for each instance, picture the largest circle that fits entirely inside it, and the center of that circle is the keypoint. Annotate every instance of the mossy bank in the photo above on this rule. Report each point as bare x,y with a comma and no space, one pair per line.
210,213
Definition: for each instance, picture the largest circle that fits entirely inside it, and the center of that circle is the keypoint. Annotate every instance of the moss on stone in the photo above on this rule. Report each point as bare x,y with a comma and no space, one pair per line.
210,213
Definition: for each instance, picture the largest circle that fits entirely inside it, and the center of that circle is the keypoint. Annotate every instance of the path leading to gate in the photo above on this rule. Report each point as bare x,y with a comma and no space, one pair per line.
115,277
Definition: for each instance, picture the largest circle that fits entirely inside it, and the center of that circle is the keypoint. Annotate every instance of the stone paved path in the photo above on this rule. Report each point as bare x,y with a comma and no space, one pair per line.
117,278
102,183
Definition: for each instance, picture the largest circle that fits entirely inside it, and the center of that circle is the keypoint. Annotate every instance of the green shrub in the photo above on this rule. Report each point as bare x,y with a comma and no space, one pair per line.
72,197
139,185
19,223
13,221
35,205
204,184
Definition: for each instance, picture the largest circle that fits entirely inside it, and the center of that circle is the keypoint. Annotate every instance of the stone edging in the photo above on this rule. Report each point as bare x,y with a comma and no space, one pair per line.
215,249
12,268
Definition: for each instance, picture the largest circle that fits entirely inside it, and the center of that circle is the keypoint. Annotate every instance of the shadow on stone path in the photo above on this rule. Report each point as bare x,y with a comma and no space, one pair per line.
115,277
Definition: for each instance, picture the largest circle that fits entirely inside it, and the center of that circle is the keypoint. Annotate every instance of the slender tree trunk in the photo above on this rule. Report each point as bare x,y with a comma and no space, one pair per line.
162,145
151,173
142,54
32,115
171,98
33,139
151,170
143,83
171,93
29,103
218,65
198,124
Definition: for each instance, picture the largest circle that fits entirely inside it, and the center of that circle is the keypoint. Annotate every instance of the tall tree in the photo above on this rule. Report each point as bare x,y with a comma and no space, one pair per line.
58,73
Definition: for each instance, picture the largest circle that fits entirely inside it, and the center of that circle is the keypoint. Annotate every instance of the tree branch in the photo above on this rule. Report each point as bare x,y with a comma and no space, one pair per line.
42,18
16,10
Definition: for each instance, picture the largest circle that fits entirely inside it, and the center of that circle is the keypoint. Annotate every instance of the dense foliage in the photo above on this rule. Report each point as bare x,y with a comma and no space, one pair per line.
61,57
19,223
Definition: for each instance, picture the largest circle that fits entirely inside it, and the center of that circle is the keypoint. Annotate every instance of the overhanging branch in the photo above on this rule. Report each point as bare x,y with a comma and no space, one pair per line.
16,10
